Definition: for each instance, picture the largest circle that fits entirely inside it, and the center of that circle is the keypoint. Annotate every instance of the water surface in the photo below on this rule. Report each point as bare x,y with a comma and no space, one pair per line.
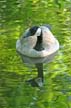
15,17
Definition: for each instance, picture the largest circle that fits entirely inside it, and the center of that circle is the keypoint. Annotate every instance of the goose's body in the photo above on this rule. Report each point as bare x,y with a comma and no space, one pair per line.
25,46
39,46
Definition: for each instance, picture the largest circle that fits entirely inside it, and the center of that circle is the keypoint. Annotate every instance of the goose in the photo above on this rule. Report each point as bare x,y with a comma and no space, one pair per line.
37,46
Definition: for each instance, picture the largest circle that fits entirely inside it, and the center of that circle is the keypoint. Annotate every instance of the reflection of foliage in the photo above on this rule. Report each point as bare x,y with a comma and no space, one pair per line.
16,16
56,93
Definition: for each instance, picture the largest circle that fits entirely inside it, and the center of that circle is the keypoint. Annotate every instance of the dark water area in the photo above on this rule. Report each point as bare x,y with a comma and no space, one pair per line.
15,17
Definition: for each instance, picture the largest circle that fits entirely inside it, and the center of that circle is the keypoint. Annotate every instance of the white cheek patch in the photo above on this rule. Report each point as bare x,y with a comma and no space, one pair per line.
38,32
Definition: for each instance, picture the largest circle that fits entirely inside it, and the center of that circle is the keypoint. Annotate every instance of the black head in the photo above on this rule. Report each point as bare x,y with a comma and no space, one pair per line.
33,30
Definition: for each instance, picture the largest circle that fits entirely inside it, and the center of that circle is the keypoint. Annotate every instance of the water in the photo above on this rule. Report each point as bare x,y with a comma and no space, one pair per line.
15,17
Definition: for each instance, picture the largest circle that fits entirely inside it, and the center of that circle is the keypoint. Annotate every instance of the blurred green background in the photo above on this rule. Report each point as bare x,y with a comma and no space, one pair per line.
15,17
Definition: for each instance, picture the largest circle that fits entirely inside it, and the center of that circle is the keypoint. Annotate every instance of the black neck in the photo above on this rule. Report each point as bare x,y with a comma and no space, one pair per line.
39,46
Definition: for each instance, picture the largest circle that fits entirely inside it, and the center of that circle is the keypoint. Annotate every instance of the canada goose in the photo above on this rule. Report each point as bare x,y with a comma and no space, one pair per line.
38,45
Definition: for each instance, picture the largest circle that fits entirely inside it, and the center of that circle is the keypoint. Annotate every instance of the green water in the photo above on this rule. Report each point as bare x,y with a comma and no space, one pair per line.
15,17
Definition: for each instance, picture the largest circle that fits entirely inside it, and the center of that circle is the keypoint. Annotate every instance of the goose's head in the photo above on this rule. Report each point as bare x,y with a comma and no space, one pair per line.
35,30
